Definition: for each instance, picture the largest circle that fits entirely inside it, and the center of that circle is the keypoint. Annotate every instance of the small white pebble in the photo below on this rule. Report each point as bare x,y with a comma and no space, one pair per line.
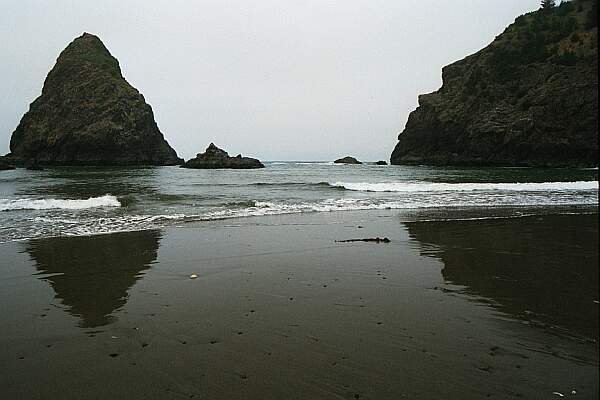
193,276
558,394
573,391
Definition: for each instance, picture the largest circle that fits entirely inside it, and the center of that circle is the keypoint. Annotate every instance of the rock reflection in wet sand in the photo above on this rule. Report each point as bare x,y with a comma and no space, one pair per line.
91,275
542,268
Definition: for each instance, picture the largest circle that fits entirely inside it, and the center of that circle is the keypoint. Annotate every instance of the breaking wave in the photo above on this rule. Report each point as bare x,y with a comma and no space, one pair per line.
465,187
65,204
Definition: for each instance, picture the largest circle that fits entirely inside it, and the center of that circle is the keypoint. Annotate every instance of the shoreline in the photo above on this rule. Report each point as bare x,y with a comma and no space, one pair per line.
426,214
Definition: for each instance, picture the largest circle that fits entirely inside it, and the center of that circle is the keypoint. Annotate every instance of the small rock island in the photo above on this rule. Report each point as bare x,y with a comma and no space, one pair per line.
347,160
88,114
216,158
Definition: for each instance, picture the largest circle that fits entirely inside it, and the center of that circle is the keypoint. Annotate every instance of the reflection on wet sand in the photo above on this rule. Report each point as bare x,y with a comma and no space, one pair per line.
543,269
92,274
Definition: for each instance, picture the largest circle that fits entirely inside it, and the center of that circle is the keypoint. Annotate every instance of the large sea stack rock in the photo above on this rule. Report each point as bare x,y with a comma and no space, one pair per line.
88,114
214,158
530,98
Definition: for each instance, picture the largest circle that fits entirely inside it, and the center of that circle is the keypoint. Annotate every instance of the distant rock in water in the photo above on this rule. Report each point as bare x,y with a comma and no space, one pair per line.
88,114
214,158
381,163
347,160
530,98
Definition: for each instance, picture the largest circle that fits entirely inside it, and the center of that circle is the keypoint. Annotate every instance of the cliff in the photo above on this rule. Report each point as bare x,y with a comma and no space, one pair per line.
530,98
88,114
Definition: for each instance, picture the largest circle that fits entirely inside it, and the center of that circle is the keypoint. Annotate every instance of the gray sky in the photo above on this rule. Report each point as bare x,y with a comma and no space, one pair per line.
274,79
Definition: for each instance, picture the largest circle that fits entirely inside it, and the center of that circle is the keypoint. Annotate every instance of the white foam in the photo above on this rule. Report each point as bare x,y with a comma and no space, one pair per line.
351,204
68,204
58,225
465,187
274,208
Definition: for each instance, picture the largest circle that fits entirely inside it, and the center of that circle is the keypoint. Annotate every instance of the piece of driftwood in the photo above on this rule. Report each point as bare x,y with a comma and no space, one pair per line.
374,240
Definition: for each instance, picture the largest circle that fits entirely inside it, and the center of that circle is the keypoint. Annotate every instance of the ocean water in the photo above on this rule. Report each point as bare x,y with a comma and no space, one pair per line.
85,201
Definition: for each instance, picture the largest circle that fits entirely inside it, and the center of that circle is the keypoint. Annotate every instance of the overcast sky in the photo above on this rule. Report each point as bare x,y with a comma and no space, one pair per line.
275,79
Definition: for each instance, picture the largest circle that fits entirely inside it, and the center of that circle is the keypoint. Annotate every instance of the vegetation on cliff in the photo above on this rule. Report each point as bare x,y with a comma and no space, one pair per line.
530,98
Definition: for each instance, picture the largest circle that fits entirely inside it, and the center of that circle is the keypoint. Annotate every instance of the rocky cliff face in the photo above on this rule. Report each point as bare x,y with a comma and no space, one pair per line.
215,158
88,114
530,98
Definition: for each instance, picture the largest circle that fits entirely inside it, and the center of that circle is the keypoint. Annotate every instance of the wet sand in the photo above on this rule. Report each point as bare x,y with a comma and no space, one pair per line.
501,308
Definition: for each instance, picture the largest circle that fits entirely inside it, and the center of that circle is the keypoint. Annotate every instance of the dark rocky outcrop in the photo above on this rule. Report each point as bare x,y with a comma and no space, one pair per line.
5,164
215,158
381,163
530,98
10,159
88,114
347,160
